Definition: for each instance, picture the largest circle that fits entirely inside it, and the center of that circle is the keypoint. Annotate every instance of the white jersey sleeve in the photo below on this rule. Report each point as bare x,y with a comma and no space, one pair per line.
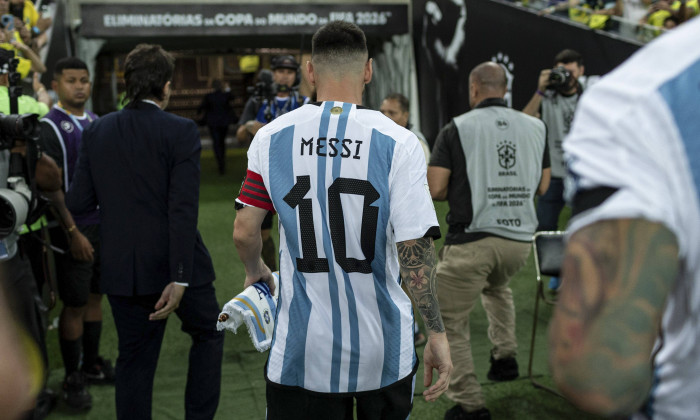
635,137
412,210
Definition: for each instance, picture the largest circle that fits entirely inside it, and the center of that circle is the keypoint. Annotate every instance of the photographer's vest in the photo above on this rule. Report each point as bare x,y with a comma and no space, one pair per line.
279,106
8,245
69,131
557,111
503,150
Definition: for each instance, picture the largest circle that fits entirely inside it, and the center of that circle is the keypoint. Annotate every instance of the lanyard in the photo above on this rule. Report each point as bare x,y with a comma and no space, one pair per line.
75,120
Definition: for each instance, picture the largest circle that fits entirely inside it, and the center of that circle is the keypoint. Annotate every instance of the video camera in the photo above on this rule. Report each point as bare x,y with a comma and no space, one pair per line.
559,78
17,200
265,88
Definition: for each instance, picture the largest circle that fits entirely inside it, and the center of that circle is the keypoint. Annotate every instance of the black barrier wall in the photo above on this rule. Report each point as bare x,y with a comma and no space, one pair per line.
453,36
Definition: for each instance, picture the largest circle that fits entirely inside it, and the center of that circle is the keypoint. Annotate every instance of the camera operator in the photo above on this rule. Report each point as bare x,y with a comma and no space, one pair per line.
262,108
24,171
558,92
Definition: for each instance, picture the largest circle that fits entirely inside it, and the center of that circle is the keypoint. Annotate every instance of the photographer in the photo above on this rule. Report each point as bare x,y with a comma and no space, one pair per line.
24,171
26,104
262,108
555,100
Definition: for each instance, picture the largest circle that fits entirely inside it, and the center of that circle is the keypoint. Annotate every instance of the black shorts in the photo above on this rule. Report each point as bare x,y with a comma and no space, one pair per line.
77,279
393,402
267,221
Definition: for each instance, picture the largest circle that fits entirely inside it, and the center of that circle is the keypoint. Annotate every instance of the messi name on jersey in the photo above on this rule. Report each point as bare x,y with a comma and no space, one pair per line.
332,147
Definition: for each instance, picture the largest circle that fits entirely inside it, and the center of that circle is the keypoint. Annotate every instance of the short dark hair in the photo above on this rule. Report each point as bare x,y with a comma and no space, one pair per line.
147,69
68,63
336,40
568,56
402,100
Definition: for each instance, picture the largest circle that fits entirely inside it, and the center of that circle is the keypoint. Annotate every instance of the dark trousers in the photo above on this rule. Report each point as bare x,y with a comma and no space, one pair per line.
139,347
218,138
393,402
550,204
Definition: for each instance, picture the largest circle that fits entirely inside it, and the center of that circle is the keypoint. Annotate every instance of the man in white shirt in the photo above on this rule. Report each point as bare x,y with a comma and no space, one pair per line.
625,332
356,219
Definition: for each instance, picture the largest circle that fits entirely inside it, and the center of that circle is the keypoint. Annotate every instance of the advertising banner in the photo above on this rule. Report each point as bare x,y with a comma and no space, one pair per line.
453,36
202,19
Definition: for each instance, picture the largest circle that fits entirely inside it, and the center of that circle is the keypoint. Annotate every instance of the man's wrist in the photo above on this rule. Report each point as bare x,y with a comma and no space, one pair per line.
539,92
179,283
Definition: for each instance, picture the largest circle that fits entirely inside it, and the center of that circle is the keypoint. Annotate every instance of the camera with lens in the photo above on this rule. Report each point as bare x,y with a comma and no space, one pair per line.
559,77
18,127
17,197
265,88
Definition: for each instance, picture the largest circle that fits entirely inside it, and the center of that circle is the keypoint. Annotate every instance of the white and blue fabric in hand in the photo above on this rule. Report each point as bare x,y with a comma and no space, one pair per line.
255,307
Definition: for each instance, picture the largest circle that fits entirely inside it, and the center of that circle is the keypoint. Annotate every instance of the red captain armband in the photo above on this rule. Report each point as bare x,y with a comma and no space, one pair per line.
254,193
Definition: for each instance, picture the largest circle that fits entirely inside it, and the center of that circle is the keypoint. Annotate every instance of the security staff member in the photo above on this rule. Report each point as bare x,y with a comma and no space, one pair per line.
488,164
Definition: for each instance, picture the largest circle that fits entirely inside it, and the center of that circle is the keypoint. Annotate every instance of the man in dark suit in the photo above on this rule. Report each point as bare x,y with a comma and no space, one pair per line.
141,165
218,115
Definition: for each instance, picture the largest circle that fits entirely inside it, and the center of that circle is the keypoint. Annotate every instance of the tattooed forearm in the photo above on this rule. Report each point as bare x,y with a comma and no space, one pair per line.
418,268
616,277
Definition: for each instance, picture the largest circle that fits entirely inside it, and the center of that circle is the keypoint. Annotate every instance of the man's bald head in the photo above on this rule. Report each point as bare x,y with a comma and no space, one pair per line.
489,75
487,80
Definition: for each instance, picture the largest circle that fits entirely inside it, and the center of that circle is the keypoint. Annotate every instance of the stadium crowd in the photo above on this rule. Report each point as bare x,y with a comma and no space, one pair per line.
635,19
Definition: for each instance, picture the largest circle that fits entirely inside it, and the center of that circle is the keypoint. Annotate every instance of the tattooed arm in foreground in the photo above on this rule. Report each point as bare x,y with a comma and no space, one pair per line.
418,268
617,275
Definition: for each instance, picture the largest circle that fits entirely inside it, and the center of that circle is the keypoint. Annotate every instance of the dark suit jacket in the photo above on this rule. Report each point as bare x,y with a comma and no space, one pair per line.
141,166
217,108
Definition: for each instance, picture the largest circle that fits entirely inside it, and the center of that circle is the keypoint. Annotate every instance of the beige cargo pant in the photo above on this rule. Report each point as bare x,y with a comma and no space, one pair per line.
465,272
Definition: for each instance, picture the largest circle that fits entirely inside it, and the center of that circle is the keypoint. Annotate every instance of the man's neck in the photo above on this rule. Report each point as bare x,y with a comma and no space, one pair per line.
339,91
72,110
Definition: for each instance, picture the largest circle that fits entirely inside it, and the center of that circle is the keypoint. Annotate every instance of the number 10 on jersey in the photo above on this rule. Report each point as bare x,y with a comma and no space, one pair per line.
310,261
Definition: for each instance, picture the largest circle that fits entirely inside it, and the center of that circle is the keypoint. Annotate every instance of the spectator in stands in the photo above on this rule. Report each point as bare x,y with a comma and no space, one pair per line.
29,104
671,22
28,60
595,13
680,9
556,7
25,10
632,12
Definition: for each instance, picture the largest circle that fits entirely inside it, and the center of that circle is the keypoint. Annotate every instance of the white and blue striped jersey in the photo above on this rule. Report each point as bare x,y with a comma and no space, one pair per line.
638,132
347,183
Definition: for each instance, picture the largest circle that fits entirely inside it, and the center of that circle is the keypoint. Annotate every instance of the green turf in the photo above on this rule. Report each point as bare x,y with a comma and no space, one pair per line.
243,386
